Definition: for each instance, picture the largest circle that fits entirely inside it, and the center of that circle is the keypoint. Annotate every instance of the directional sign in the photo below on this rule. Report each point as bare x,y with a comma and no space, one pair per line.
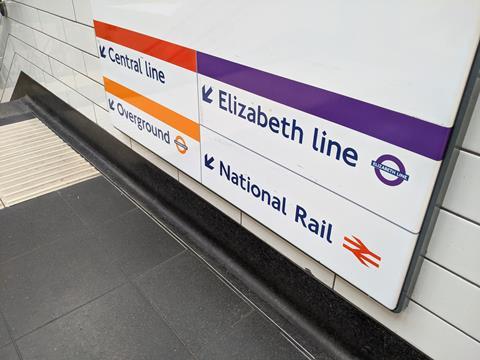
332,145
332,139
151,89
316,218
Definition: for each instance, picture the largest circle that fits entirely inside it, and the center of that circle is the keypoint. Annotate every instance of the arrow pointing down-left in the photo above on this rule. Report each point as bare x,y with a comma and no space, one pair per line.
209,161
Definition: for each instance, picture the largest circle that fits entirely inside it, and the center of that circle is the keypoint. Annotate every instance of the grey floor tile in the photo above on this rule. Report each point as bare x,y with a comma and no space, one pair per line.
193,300
4,336
96,200
8,353
35,222
120,325
136,242
252,338
52,280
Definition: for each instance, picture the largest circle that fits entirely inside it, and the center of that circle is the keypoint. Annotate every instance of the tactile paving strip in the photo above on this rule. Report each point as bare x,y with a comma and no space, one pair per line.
34,161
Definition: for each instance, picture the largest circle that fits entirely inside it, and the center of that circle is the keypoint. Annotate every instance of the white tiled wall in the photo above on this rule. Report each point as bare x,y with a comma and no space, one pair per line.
53,41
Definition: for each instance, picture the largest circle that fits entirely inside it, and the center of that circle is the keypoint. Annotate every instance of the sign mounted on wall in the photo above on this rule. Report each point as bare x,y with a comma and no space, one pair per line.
151,90
335,151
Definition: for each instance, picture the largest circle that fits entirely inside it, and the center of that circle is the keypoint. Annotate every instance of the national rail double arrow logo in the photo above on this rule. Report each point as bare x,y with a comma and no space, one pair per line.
361,252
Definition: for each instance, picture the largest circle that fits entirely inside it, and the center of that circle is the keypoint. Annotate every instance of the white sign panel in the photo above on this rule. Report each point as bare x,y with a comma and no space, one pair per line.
331,138
151,88
331,155
323,225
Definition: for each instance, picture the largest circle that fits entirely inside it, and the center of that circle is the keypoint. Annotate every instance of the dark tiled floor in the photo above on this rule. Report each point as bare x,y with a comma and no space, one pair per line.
34,223
85,274
253,338
96,201
8,353
4,336
53,280
136,242
119,325
193,300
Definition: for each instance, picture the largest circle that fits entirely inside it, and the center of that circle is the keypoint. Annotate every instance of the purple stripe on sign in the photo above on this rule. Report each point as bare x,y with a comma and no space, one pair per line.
408,132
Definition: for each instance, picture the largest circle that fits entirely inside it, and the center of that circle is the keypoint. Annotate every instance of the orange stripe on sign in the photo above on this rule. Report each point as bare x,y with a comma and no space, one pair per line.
160,112
163,50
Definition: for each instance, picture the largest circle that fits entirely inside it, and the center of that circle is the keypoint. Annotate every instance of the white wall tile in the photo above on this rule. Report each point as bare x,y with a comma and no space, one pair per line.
450,297
63,73
18,45
463,194
32,54
91,89
57,87
5,28
44,42
8,54
59,7
23,32
105,122
19,64
155,159
7,94
418,326
209,196
285,248
472,137
52,25
33,71
80,36
12,77
3,77
61,51
93,67
83,11
30,69
70,96
81,104
455,244
24,14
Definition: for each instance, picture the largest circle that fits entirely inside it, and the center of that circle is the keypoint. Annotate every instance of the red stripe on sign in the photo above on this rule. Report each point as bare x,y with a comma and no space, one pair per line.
163,50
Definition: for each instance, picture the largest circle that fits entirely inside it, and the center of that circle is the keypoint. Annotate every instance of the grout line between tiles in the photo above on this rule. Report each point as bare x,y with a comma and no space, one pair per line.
166,261
130,280
205,263
73,89
218,274
59,16
9,330
72,310
468,151
158,312
44,53
446,321
74,12
297,346
452,271
463,217
8,73
30,251
243,317
48,12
